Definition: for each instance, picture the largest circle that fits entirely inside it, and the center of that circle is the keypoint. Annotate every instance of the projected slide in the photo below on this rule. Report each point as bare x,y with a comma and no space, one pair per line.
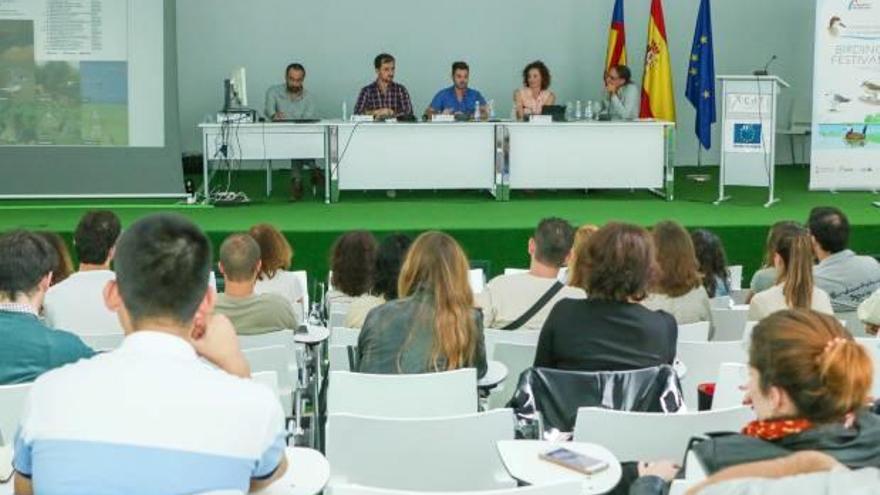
65,75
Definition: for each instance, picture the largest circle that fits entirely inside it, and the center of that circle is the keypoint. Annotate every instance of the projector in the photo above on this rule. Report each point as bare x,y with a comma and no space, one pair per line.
242,116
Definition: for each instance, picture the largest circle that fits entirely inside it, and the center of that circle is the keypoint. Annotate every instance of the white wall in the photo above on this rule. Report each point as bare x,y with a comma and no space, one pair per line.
337,39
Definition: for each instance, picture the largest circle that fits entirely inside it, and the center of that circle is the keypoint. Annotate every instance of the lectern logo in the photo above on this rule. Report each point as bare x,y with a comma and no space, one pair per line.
859,4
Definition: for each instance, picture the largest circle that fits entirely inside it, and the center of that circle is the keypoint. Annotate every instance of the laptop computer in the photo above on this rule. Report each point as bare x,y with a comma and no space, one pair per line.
555,111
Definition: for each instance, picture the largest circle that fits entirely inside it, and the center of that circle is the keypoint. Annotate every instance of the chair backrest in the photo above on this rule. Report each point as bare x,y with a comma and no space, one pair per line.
728,388
12,399
103,341
337,313
736,276
560,488
729,323
430,454
303,278
493,337
702,360
557,394
739,296
284,338
872,344
652,436
267,378
721,302
344,336
448,393
343,344
694,332
515,271
517,358
275,358
477,279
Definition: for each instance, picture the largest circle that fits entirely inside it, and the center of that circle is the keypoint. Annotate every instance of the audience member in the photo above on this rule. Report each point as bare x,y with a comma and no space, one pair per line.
766,276
808,384
712,261
152,416
29,347
389,258
869,313
77,304
64,267
848,279
610,330
523,300
678,289
581,235
276,256
794,264
353,266
433,326
250,313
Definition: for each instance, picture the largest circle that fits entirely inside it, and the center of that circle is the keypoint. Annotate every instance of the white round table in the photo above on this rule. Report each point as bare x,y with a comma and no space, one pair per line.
315,335
496,372
520,458
307,474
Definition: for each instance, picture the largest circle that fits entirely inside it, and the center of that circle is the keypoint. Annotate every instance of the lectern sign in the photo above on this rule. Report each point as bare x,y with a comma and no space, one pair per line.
846,96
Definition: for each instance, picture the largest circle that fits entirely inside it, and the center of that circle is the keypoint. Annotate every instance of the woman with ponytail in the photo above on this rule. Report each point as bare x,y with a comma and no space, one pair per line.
433,326
808,385
794,289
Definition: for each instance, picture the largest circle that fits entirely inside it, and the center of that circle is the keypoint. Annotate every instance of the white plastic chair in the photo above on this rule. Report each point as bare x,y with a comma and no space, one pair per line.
739,296
651,436
12,399
736,276
422,395
515,271
702,360
344,336
729,323
278,359
477,279
561,488
517,358
872,344
721,302
303,278
694,332
732,377
493,336
103,341
428,454
337,313
341,342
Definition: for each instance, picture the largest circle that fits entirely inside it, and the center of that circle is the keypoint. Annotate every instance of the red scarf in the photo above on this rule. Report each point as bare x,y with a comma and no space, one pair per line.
774,429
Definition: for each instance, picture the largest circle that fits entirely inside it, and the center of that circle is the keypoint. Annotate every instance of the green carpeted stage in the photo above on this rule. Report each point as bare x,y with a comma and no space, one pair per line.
488,230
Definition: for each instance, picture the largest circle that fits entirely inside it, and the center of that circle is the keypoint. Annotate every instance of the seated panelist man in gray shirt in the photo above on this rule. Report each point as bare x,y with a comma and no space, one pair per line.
622,95
291,101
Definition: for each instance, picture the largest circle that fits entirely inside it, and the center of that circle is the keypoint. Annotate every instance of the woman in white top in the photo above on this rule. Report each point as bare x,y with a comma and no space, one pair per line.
794,289
392,252
276,256
353,263
678,289
535,93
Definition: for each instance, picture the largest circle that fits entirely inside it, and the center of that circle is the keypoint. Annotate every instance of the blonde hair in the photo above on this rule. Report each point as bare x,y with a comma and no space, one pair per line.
809,355
796,250
581,236
436,263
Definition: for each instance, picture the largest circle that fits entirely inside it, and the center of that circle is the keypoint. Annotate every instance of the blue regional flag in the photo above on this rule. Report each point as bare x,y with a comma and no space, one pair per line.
701,76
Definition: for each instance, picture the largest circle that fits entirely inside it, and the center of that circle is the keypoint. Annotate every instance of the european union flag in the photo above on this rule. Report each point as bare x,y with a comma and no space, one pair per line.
701,76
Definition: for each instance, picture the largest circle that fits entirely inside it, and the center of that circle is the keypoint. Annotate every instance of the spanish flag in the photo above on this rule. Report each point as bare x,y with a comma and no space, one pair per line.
616,38
658,101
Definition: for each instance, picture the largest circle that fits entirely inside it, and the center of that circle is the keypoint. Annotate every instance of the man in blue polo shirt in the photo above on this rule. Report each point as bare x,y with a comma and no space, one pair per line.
171,410
458,99
29,348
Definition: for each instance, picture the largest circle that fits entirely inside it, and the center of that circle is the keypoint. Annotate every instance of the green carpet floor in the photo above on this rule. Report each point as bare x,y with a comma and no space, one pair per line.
489,230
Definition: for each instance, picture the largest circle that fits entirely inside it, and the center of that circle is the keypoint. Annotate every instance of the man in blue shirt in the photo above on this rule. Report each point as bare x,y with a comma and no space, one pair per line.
458,99
29,347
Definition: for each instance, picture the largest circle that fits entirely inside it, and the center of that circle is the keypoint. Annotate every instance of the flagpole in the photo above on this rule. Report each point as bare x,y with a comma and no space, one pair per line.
699,156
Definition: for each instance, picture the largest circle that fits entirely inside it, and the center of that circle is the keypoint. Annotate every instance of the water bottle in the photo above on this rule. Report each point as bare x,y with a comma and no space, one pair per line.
315,315
477,111
344,111
578,112
588,113
491,104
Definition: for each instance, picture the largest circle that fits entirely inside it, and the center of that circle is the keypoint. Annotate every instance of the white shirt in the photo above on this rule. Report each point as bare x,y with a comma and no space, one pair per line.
286,285
149,417
507,297
77,304
765,303
688,308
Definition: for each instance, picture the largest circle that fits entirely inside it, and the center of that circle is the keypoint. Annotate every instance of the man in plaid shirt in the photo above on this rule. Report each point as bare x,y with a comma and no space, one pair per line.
384,98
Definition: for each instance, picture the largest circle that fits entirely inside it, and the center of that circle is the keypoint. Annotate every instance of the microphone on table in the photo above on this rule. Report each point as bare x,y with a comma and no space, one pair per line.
763,72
